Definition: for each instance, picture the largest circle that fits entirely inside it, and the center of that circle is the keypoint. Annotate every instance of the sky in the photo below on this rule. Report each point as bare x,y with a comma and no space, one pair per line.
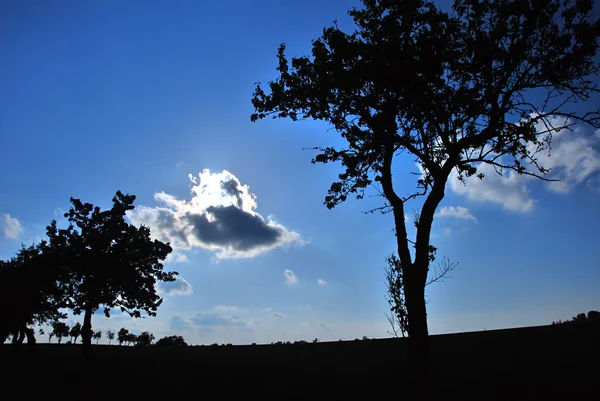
153,98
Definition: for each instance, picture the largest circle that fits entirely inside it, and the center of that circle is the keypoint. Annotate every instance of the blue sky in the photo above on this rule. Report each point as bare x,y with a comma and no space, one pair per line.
153,98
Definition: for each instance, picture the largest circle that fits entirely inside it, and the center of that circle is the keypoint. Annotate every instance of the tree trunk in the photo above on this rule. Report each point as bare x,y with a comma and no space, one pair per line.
418,336
31,341
86,332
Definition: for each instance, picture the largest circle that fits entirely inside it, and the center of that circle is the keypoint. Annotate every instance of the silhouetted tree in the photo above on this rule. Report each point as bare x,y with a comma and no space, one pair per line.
97,335
456,90
398,319
50,335
111,263
122,335
30,292
131,338
110,335
145,339
60,330
172,341
593,316
75,332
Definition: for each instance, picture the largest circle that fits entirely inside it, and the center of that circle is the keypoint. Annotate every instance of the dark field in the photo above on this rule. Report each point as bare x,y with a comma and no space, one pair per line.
536,363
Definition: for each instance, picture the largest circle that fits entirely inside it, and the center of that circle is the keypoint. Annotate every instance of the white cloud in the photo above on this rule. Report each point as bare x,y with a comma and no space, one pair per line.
508,190
178,287
573,160
221,216
11,227
227,309
290,277
321,282
179,164
458,212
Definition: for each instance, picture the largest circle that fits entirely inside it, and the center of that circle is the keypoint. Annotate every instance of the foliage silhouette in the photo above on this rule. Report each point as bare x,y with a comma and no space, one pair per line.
454,89
122,335
75,332
97,335
110,335
60,330
110,263
172,341
36,300
591,317
145,339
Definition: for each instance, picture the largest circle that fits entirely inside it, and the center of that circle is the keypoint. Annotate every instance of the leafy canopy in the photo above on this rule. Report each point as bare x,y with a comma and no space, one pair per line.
111,263
454,89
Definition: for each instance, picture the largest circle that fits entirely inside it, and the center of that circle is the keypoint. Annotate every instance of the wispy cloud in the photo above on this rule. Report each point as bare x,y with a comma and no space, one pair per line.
457,212
574,160
290,277
321,282
178,287
11,227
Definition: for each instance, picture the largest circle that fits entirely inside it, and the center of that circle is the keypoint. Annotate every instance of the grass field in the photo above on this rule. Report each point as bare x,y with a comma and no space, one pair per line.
535,363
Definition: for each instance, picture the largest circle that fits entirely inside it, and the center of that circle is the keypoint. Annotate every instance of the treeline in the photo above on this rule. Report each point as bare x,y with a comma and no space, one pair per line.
591,317
98,262
61,330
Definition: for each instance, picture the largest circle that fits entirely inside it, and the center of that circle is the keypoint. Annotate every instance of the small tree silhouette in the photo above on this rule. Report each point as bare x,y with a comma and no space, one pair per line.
60,330
97,335
144,339
122,335
75,332
110,335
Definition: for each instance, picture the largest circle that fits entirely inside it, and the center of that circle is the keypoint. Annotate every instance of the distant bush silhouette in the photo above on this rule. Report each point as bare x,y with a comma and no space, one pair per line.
172,341
592,317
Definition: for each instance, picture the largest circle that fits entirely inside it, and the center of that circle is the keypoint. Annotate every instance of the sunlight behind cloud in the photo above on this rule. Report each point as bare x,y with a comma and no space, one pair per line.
220,216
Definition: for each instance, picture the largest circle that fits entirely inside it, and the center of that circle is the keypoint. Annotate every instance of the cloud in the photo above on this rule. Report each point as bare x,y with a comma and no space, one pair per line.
221,216
216,319
458,212
573,159
278,315
290,277
179,323
178,287
227,309
448,231
508,190
179,164
11,227
321,282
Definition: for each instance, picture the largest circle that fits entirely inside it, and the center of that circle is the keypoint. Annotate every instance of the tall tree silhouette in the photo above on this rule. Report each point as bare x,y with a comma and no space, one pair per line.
111,263
454,89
